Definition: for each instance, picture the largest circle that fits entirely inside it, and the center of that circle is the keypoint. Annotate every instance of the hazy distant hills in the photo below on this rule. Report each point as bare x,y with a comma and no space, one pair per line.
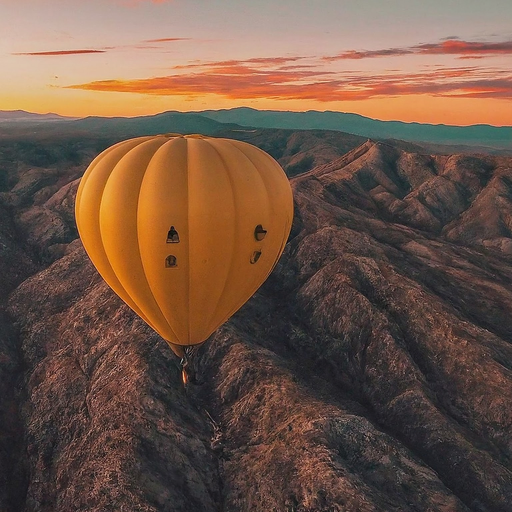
112,127
475,139
479,135
23,116
178,122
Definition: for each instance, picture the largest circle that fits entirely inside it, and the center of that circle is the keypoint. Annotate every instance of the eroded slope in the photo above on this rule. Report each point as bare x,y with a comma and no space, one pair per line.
372,372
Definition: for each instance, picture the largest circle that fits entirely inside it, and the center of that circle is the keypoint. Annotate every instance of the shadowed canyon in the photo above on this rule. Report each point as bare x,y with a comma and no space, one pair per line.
371,372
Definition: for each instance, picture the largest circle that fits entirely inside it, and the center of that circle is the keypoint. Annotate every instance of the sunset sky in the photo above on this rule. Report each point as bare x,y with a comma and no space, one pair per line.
441,61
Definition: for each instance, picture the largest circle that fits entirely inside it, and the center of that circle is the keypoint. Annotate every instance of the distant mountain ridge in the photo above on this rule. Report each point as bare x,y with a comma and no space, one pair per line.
24,116
497,137
475,138
114,128
172,121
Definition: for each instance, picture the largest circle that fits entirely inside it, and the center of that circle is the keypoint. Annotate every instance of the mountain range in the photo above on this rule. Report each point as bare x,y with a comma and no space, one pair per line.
435,138
21,116
491,137
371,373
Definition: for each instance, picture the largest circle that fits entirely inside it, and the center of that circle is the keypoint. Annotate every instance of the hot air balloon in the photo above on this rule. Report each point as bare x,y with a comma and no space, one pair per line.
184,228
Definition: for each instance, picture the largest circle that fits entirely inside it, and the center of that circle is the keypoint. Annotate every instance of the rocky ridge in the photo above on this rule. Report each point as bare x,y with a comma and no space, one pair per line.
372,372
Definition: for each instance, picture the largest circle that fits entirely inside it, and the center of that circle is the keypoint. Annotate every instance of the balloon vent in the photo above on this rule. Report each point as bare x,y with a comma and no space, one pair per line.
171,261
260,233
172,236
255,256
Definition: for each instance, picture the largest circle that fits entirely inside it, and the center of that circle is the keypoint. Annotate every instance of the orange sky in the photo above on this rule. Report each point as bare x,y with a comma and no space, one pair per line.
408,61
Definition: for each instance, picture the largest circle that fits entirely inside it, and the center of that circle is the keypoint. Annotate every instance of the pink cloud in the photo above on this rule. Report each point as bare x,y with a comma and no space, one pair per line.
251,79
452,46
465,48
167,40
146,45
62,52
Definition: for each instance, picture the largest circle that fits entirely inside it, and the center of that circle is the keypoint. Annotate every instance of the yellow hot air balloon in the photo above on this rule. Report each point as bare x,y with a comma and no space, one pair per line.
184,228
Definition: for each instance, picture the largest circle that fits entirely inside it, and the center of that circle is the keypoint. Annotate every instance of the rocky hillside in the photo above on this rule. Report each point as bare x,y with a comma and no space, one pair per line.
372,372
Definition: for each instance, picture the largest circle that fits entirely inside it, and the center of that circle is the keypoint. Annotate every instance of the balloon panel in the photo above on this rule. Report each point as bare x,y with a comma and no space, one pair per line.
163,202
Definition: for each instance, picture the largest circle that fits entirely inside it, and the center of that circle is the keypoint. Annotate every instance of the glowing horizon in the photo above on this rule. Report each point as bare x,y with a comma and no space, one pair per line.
447,66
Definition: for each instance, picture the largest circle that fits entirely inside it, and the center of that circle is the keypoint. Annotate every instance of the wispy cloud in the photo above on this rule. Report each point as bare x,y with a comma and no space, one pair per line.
61,52
369,54
451,46
148,44
167,40
448,38
247,65
279,78
465,48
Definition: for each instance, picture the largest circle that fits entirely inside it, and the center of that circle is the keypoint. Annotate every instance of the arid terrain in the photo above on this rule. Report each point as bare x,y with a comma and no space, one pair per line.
371,372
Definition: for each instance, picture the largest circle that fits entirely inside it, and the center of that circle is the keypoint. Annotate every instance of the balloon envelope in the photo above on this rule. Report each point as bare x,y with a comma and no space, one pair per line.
184,228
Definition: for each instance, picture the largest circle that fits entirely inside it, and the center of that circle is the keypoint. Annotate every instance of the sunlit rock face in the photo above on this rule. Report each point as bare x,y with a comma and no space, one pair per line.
371,372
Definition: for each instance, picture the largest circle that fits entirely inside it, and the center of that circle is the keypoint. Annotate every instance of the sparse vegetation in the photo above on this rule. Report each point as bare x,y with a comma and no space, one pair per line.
370,373
303,165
